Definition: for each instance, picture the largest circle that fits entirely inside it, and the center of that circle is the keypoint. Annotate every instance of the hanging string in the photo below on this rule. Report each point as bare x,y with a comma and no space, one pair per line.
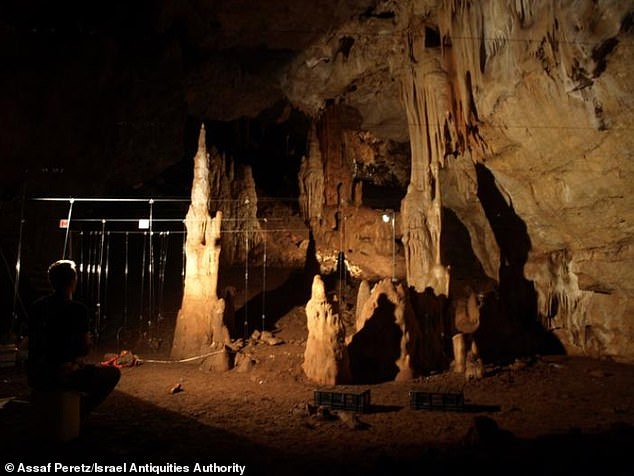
246,278
90,268
70,214
162,266
142,279
264,283
105,284
184,261
80,284
18,261
99,269
150,273
125,282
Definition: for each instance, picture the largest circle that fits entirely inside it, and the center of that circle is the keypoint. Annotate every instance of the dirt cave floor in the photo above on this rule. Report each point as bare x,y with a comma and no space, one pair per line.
547,415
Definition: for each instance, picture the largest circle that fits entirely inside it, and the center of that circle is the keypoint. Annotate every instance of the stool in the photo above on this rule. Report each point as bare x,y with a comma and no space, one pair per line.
57,414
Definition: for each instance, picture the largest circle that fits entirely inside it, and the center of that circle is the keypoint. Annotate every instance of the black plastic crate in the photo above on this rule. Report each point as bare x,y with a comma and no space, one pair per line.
343,399
419,400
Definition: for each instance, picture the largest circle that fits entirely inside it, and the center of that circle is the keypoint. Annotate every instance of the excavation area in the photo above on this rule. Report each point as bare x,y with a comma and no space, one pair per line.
541,415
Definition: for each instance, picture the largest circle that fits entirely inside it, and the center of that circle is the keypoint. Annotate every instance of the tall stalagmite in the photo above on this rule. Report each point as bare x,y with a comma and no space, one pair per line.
199,326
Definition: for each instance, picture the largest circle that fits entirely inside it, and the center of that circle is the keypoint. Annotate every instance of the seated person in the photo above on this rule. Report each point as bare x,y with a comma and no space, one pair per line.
58,336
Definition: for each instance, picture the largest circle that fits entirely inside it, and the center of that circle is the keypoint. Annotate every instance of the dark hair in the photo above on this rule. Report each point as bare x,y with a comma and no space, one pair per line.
61,274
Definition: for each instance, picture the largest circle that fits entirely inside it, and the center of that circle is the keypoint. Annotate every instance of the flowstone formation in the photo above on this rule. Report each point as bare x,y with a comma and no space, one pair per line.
326,356
200,327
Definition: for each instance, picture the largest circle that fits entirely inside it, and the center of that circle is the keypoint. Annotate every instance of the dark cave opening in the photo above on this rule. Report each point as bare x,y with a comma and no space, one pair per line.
272,144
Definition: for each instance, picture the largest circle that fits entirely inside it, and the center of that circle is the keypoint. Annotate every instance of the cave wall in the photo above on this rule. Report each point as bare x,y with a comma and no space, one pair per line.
526,101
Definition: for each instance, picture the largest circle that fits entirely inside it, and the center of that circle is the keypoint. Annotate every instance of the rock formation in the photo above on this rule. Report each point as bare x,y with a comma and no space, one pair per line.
466,323
233,191
506,121
331,199
517,116
311,181
199,325
325,357
387,343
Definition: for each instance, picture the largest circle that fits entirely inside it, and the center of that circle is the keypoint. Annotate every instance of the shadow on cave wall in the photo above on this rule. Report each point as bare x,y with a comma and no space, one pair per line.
456,251
434,319
509,324
374,350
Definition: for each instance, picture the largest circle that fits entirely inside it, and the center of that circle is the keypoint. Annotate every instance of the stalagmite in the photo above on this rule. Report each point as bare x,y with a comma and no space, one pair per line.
325,357
362,297
311,181
474,369
459,353
199,325
467,362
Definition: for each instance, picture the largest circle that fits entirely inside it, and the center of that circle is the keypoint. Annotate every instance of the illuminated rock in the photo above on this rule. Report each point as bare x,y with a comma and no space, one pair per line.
200,326
518,117
325,357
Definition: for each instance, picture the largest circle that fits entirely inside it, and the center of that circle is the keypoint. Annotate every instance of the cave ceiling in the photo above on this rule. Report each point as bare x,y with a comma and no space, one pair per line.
117,89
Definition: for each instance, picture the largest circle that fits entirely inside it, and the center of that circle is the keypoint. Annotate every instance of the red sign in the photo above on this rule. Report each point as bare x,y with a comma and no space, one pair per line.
63,223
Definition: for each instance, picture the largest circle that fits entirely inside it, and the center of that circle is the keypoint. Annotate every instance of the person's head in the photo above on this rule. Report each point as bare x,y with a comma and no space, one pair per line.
62,275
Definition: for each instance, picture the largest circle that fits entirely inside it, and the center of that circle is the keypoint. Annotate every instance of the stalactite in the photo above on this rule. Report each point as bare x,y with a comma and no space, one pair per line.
426,100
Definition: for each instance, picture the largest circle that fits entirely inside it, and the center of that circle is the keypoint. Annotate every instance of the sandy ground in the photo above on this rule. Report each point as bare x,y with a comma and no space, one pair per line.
554,415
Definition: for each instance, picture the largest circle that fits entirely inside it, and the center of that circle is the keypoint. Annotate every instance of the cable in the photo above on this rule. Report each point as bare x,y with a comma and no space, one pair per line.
189,359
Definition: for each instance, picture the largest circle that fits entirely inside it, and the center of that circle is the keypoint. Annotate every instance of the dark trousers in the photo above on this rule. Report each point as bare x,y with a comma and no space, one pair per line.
93,382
